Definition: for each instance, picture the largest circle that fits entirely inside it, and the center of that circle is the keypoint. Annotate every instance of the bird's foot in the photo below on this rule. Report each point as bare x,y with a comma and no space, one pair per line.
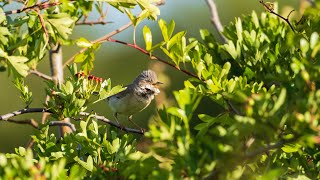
143,130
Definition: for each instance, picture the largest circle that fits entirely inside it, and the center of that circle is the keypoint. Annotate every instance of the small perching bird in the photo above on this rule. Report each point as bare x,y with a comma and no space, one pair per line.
136,97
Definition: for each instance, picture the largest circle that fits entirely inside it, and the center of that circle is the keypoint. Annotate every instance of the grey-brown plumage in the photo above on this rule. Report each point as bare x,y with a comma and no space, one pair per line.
136,97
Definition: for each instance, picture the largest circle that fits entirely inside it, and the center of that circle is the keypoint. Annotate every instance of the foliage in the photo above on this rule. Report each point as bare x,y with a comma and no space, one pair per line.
265,79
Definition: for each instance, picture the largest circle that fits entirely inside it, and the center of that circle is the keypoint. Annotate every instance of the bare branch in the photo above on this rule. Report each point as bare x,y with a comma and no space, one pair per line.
56,66
5,117
91,23
216,20
99,40
62,123
31,122
40,6
105,120
35,124
232,107
22,111
269,9
155,57
40,74
43,24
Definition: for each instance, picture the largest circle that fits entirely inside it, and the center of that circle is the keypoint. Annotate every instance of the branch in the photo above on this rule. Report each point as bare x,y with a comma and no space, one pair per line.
35,124
216,20
40,6
154,57
272,12
31,122
105,120
269,147
40,74
62,123
91,23
43,25
264,149
232,107
5,117
22,111
99,40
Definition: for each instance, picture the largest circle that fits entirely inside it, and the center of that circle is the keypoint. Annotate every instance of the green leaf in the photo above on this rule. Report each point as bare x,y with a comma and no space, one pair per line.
3,35
163,27
239,29
176,39
304,45
62,23
68,87
290,148
84,43
190,46
314,39
87,165
170,28
147,37
279,102
157,46
17,65
26,95
151,10
231,49
132,18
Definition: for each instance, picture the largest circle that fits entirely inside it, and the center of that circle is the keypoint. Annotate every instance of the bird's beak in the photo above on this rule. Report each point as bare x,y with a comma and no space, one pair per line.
157,83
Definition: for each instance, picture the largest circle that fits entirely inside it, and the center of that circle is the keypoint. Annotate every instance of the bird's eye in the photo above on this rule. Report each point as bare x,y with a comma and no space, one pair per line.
149,90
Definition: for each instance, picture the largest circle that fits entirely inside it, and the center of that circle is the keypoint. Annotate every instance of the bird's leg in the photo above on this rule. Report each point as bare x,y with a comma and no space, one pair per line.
116,116
130,119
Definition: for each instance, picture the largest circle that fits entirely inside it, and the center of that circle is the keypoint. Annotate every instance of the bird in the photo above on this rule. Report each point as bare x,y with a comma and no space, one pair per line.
136,97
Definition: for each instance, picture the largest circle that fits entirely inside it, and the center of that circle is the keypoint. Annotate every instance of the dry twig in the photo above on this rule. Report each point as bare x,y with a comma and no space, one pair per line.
216,20
269,9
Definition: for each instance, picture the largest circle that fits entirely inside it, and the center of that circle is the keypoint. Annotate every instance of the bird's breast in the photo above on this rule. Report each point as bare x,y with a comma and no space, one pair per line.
129,104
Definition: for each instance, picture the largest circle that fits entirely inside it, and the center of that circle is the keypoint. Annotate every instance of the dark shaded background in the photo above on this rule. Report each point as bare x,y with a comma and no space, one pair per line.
122,64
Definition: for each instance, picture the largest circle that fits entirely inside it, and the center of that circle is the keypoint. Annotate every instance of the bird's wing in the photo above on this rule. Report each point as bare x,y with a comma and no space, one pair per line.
120,94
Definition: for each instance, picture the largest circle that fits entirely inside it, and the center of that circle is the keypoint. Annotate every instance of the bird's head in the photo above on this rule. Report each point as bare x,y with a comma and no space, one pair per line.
148,82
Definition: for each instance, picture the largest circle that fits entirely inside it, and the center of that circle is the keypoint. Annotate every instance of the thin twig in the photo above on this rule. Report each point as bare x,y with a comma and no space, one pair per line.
105,120
232,107
31,122
216,20
40,6
264,149
45,115
91,23
272,12
35,124
154,57
99,40
160,2
62,123
40,74
30,143
269,147
43,24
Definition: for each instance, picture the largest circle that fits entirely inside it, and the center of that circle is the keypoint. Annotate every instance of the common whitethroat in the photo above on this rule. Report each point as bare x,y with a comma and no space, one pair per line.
136,97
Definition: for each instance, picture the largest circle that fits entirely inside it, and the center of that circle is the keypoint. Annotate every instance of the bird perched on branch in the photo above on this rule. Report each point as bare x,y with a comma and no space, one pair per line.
136,97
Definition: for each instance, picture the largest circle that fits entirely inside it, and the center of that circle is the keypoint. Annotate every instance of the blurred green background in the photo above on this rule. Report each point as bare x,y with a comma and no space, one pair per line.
122,64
